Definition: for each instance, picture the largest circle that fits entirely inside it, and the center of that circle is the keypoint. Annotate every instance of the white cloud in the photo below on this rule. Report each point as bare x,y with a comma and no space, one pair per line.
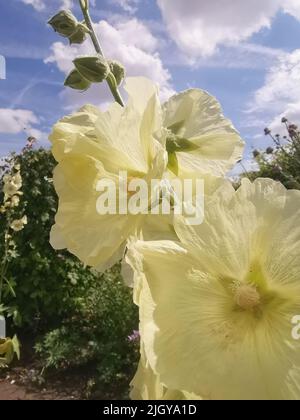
129,42
199,27
129,6
40,5
14,121
292,7
37,4
279,96
281,87
242,56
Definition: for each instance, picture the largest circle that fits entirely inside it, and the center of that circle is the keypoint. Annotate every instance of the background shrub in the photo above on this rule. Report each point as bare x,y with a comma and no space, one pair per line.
97,334
280,162
47,284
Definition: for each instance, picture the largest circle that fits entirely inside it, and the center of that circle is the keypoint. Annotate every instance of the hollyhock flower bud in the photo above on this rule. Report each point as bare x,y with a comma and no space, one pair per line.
64,23
93,68
76,81
79,36
118,70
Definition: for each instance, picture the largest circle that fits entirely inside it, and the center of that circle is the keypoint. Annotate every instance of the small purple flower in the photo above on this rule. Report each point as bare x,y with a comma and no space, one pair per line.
134,337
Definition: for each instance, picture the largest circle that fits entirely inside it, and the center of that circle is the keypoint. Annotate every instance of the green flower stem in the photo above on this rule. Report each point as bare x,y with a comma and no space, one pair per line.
4,264
111,79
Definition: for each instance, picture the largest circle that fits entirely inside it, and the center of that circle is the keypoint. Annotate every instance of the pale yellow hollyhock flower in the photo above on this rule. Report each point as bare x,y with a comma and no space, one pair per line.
16,180
9,190
201,138
93,145
12,185
15,201
18,225
146,385
216,310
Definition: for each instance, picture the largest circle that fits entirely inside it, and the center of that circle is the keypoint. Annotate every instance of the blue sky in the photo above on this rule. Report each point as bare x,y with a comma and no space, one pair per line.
247,55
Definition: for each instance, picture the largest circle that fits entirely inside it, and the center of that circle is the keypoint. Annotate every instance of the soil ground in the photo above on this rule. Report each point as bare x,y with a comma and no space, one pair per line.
20,384
24,381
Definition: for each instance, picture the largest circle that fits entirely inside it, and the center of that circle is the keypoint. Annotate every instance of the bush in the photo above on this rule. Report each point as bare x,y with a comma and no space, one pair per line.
97,333
281,163
47,284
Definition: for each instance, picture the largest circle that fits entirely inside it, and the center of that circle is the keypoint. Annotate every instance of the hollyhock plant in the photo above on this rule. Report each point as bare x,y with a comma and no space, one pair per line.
223,299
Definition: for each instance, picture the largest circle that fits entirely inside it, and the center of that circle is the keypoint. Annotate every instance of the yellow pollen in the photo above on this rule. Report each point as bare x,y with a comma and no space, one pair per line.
247,297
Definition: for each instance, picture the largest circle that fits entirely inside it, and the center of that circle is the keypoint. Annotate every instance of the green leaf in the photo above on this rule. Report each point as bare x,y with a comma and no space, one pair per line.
16,346
11,289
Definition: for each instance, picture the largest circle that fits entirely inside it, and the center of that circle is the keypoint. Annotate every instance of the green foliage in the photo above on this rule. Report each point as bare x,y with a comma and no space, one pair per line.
97,333
8,349
281,163
85,318
47,284
11,222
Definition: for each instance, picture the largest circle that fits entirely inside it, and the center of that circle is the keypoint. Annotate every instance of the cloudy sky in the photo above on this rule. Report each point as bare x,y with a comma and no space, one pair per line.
245,53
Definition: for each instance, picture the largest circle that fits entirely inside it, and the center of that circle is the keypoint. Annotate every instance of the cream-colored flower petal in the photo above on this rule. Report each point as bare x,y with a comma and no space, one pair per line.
122,134
197,117
151,228
119,129
78,134
146,385
134,86
95,239
131,129
222,242
276,243
69,129
148,106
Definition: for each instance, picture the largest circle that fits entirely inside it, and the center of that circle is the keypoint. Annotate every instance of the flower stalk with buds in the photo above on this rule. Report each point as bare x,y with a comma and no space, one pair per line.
93,69
111,80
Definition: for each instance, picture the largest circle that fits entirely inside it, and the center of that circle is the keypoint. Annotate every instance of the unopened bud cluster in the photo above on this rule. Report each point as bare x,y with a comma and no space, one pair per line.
66,25
87,69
